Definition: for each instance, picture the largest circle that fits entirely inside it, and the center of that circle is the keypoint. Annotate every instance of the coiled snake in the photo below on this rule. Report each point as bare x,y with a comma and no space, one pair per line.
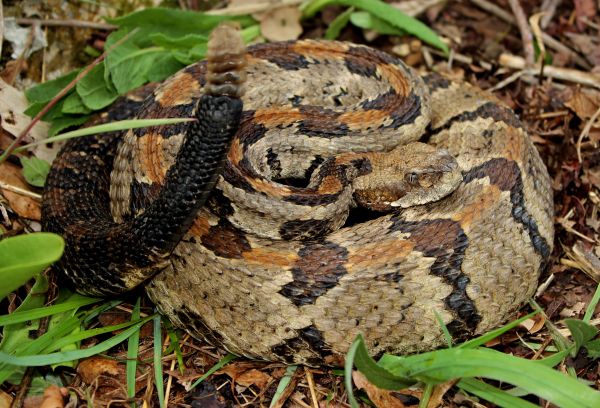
268,264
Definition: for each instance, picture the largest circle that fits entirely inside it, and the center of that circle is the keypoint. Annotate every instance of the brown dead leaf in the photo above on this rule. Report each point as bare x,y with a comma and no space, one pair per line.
281,24
588,45
93,367
243,375
25,206
584,102
54,397
5,400
380,397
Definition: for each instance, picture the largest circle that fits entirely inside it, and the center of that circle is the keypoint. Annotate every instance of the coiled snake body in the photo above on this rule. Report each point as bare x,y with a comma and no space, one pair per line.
270,266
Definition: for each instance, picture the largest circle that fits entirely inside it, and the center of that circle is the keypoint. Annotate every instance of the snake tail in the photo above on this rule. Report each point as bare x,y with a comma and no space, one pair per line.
107,257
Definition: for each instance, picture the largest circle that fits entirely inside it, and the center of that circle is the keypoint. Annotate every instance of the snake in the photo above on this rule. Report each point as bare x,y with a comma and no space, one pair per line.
319,190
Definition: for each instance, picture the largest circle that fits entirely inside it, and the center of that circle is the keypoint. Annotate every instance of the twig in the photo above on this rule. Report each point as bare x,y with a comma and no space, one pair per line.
586,131
67,23
526,35
19,190
59,96
507,81
550,41
548,7
311,386
253,8
565,74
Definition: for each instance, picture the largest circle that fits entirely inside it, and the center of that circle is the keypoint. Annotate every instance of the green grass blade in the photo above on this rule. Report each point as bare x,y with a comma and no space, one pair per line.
443,365
74,302
481,340
493,394
132,353
338,24
108,127
176,348
589,311
283,383
222,363
158,370
386,13
55,358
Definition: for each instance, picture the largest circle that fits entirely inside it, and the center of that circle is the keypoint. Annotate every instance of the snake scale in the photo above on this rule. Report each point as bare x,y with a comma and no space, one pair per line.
351,195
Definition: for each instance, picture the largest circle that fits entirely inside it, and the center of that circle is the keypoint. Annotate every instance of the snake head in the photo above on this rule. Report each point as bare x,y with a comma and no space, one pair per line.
410,175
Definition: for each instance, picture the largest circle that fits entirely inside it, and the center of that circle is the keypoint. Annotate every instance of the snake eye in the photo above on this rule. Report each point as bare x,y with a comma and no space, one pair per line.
412,178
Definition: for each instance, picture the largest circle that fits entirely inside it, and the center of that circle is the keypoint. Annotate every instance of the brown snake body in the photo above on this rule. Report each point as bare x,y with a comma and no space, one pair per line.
273,268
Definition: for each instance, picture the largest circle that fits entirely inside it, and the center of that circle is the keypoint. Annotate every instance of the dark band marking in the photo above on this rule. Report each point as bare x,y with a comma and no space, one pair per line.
382,101
302,229
445,241
360,67
309,338
436,81
282,54
407,113
188,318
226,241
485,111
150,109
506,175
250,132
274,163
371,54
319,269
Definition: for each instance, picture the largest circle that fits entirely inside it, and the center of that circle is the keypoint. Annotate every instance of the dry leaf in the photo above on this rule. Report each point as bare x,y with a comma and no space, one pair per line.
54,397
281,24
93,367
243,375
5,400
584,102
25,206
380,397
584,9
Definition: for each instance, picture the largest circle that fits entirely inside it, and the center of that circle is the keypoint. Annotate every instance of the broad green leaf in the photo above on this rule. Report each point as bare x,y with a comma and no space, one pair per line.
180,42
23,256
385,12
94,91
74,105
44,92
35,170
368,21
65,122
582,333
593,348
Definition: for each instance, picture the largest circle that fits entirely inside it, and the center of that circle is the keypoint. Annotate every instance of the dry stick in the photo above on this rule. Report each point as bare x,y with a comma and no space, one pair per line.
548,7
20,191
565,74
67,23
62,93
586,131
526,35
550,41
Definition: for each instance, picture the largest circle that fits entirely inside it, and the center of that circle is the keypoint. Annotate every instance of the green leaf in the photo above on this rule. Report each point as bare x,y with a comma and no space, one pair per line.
94,91
593,348
493,394
44,93
368,21
65,122
582,333
23,256
338,24
73,105
283,383
481,340
35,170
444,365
385,12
